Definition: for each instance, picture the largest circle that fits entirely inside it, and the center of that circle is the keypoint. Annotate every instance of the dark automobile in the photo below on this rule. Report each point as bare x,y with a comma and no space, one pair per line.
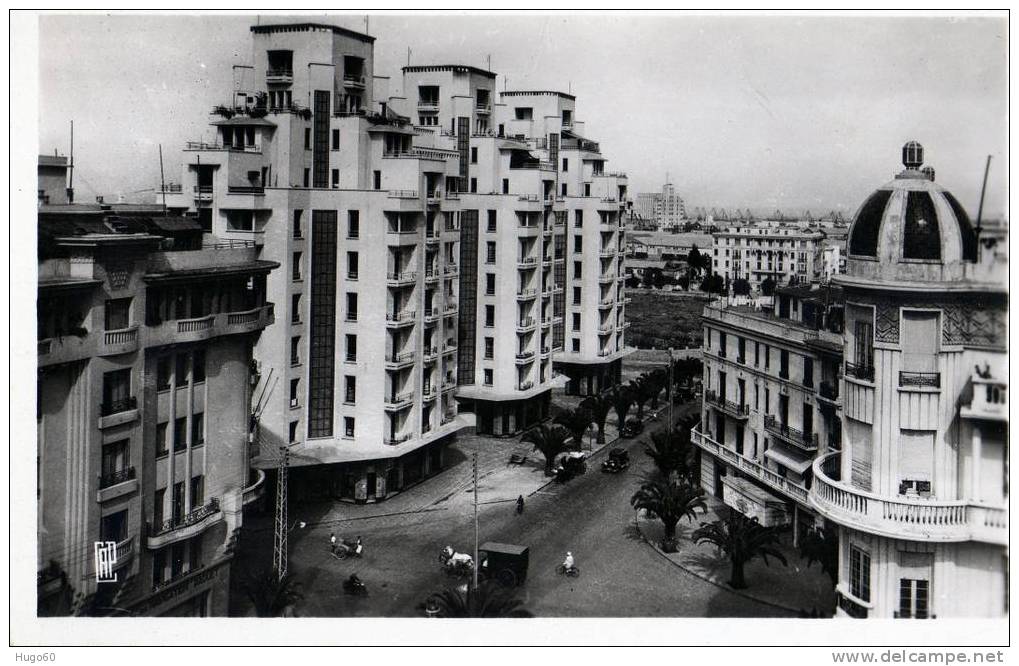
619,459
632,428
570,465
506,563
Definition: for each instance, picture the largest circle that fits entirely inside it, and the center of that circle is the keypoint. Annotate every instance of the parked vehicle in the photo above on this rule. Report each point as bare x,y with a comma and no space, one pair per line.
632,428
503,562
347,548
570,465
619,459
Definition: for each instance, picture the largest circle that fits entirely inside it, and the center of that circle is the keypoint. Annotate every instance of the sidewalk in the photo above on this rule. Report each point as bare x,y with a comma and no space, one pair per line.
794,587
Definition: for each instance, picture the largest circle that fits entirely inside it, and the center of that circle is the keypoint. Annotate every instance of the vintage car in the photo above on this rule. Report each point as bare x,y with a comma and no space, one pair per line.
632,428
504,562
619,459
570,465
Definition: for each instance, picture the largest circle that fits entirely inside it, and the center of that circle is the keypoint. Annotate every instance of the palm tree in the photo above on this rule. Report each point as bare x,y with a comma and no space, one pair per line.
657,380
599,407
642,392
488,600
669,500
271,595
670,452
742,539
822,546
576,421
622,398
550,440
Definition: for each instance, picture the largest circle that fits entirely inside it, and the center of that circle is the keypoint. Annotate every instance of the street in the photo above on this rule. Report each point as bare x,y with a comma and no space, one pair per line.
590,516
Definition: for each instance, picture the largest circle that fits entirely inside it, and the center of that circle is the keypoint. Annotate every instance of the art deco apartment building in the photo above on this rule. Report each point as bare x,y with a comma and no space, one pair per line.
786,254
409,233
145,329
919,489
771,401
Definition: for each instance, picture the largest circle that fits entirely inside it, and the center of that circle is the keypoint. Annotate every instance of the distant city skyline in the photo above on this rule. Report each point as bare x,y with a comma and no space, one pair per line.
762,112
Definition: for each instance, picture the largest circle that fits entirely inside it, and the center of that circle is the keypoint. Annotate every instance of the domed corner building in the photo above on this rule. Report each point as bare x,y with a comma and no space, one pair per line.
919,490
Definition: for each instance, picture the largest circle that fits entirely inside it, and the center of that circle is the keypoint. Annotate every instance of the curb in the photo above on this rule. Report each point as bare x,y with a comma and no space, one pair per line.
724,586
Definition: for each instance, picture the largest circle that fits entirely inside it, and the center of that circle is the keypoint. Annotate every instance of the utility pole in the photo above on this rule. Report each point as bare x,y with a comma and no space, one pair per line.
671,388
70,184
279,552
162,182
477,564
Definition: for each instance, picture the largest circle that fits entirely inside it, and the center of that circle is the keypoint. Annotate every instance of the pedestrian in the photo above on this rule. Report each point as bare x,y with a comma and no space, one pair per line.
332,542
520,504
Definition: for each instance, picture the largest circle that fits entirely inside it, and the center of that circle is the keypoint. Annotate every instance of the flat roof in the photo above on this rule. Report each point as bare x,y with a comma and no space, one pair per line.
459,69
524,93
297,27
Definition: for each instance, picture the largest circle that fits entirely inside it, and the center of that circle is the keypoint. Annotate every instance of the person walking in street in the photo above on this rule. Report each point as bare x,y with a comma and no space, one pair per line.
520,504
332,542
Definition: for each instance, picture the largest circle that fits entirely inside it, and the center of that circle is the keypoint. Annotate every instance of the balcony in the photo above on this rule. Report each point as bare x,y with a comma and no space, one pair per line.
430,354
990,400
428,105
525,357
451,309
526,324
527,294
401,360
919,380
859,371
606,304
353,81
901,517
432,237
246,189
399,401
801,440
607,253
525,386
448,417
396,440
279,75
120,341
116,484
448,384
203,192
737,411
256,490
451,270
432,315
118,406
405,279
449,347
428,393
606,279
400,319
750,467
184,527
526,263
829,392
483,109
181,331
432,274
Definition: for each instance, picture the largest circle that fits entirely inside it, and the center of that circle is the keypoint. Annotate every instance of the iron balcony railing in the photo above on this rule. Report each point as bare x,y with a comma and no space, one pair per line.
730,407
196,516
804,440
117,406
113,478
860,371
279,73
829,391
920,379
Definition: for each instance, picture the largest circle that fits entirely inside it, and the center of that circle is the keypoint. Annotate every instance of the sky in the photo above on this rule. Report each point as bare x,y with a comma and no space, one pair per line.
758,111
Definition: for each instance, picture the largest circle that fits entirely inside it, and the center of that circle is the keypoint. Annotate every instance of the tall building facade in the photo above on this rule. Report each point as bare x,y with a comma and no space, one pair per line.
411,224
665,208
919,489
145,327
756,253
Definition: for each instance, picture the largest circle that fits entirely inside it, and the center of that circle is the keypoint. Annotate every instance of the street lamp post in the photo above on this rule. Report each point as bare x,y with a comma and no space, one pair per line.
477,563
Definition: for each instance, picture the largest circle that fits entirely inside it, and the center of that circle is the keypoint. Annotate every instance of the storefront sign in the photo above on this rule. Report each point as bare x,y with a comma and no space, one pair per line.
199,581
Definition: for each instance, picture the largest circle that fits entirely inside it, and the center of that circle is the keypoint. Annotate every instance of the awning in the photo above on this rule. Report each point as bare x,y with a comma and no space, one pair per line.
788,461
244,121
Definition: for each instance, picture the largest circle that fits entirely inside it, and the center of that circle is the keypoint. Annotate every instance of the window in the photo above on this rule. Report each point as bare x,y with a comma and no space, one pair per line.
353,224
491,227
578,269
295,308
113,527
783,364
377,179
351,348
295,385
489,348
163,373
117,392
576,345
488,376
523,113
563,188
490,252
295,350
578,244
161,449
587,189
293,432
474,185
721,343
474,155
489,315
297,266
180,434
348,426
767,357
307,138
198,366
197,429
566,165
808,371
757,354
181,369
118,314
864,344
352,265
116,461
336,139
351,306
489,284
913,598
349,389
505,185
576,295
307,177
576,322
335,174
578,218
859,573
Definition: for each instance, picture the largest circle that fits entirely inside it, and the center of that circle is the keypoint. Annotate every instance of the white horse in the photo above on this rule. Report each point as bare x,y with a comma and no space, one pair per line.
454,560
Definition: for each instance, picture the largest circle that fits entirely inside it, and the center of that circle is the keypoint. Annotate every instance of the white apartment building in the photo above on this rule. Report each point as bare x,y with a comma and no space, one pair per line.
409,232
666,208
755,253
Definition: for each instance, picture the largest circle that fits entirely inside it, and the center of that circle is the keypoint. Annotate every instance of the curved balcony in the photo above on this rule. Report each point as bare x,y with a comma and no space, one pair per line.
900,517
399,402
256,490
120,341
749,466
400,319
178,331
404,279
399,361
525,357
526,324
527,294
184,527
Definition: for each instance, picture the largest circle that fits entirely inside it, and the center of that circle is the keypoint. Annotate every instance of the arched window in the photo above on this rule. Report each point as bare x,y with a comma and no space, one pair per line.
921,238
863,240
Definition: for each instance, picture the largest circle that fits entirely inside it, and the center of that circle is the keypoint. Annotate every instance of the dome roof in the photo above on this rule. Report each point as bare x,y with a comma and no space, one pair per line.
913,228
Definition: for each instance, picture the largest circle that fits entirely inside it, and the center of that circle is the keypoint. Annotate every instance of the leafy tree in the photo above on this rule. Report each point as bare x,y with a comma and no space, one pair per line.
742,539
641,392
669,500
768,286
487,600
652,277
632,282
599,406
741,287
696,259
684,282
658,380
622,400
822,546
576,421
671,452
550,440
271,595
713,284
